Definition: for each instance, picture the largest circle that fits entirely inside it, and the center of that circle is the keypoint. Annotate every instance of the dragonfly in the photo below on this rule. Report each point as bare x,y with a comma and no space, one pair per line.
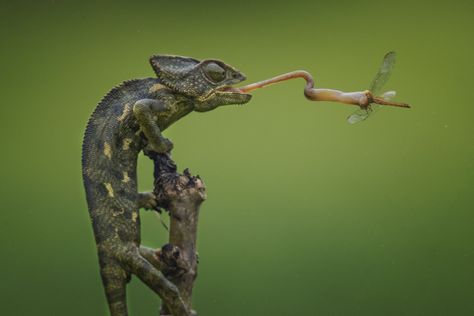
376,86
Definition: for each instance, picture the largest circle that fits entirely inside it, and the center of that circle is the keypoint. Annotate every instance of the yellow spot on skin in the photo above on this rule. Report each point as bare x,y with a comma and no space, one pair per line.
156,87
110,191
134,216
115,214
126,143
126,178
107,150
125,112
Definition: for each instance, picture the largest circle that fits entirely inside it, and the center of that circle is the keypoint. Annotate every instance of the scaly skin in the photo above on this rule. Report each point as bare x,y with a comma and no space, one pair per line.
129,119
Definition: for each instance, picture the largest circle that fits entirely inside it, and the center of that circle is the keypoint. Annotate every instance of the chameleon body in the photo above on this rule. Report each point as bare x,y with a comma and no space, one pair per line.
128,120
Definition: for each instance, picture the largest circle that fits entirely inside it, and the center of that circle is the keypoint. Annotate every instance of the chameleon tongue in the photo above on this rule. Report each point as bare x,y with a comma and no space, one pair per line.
355,98
277,79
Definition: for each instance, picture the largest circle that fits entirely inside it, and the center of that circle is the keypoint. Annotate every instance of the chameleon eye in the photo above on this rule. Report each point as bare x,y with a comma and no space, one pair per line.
214,72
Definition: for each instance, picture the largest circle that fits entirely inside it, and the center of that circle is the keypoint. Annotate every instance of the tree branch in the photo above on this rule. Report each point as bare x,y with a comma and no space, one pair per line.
181,196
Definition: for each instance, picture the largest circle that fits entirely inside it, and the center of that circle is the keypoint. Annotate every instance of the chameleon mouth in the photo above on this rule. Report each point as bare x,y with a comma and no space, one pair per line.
229,89
232,94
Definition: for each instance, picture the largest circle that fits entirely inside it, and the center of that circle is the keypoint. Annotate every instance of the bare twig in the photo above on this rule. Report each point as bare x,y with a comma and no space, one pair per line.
182,196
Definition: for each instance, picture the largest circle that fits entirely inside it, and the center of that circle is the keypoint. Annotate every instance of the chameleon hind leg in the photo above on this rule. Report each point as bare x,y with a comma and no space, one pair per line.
136,264
115,279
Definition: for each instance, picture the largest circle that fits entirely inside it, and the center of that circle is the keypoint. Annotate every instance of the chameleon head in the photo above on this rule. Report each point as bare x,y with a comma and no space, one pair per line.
208,82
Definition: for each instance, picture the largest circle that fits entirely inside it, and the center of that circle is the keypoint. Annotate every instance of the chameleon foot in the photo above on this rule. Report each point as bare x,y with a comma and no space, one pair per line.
147,200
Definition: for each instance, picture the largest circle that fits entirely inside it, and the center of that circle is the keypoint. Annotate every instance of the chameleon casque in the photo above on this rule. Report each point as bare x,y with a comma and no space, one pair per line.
128,120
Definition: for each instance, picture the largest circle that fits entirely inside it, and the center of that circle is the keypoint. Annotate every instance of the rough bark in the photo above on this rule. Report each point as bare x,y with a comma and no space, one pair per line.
181,195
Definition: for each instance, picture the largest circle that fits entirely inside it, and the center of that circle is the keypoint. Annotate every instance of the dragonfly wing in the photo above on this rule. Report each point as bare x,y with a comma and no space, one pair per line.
389,95
383,74
359,116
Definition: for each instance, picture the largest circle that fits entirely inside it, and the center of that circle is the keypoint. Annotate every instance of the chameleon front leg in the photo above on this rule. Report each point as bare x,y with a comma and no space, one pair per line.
145,111
147,201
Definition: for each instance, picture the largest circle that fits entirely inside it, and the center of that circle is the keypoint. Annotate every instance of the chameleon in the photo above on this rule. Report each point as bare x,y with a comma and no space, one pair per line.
130,119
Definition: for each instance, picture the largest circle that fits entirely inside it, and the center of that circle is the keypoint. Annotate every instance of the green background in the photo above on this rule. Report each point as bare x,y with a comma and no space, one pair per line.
306,214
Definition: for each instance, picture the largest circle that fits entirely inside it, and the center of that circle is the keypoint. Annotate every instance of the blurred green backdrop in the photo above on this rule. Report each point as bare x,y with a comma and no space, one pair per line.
306,214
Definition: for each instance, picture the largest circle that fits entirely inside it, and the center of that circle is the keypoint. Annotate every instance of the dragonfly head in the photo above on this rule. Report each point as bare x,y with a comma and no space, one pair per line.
365,99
